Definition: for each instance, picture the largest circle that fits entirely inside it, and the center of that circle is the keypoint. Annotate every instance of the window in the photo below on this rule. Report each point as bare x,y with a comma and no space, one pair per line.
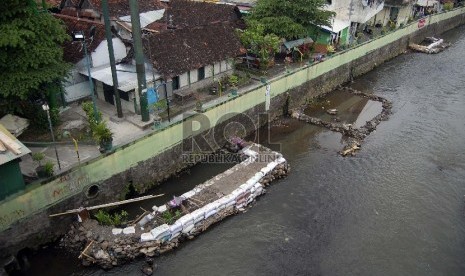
176,83
201,73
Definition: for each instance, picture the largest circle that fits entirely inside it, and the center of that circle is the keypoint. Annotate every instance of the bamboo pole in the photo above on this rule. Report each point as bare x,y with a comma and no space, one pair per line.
85,249
73,211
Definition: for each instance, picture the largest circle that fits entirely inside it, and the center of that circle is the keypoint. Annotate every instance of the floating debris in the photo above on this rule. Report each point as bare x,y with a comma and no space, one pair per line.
436,45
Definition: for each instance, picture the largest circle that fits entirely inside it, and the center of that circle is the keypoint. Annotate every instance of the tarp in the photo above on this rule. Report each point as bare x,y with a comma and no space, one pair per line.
296,43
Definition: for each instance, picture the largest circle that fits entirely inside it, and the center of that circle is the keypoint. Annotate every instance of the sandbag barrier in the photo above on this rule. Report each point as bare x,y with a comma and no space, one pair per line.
356,135
117,247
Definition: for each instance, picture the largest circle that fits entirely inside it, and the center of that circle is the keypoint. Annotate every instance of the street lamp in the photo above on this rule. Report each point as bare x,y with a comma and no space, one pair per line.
46,108
79,36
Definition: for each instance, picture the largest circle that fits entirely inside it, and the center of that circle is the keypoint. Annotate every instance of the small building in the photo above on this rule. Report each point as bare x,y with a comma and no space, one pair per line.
395,13
11,151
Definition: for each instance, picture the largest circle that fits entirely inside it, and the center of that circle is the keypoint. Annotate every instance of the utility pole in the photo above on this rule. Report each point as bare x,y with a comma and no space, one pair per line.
111,53
140,65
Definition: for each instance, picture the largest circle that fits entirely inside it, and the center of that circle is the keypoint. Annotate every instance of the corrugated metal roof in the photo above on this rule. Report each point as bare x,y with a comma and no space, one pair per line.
297,43
145,18
127,76
8,156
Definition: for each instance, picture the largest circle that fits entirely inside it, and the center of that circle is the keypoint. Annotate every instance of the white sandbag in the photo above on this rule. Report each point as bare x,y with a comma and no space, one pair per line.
173,236
266,170
160,231
239,206
146,237
209,207
116,231
210,213
250,200
250,152
271,165
145,219
229,204
162,209
187,229
280,160
189,194
175,228
129,230
165,238
186,220
258,176
198,215
155,208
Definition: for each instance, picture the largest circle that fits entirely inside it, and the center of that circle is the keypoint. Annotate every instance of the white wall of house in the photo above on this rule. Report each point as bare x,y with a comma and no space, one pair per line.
194,75
101,57
360,13
208,71
383,16
183,81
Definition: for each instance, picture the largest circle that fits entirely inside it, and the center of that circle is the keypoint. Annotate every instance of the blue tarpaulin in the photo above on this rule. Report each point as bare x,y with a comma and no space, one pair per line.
152,95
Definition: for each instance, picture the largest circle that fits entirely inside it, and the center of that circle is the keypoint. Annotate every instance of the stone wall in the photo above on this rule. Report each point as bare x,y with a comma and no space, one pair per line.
24,220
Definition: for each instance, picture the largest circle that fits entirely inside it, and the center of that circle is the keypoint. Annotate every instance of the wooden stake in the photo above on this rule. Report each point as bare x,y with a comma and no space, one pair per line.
73,211
85,249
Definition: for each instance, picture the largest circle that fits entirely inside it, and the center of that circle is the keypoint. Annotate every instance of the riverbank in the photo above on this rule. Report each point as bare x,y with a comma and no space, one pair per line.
143,163
163,229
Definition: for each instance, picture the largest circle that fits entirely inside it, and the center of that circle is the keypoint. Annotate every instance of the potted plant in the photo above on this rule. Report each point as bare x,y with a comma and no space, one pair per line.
233,81
40,170
198,105
103,135
158,107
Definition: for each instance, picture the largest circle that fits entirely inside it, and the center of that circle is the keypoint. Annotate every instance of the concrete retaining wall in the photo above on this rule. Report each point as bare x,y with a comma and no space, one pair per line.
24,216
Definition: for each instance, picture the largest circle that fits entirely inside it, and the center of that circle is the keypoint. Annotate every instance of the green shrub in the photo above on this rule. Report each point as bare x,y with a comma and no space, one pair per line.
170,218
117,219
88,108
38,157
448,6
48,168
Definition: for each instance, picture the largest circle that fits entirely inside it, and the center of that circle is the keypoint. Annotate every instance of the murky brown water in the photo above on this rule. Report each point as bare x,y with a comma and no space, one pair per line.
397,208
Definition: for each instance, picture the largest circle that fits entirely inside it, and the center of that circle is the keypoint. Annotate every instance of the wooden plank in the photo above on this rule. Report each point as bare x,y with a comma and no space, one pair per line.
73,211
10,143
2,147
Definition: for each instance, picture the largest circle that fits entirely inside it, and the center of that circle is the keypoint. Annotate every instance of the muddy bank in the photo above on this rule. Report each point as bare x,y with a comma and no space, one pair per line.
355,135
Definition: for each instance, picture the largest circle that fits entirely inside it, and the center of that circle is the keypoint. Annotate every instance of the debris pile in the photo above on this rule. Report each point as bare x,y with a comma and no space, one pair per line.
436,45
356,135
208,203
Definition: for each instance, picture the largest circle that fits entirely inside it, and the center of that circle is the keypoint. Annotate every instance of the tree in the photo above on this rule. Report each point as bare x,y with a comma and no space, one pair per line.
258,43
31,56
290,19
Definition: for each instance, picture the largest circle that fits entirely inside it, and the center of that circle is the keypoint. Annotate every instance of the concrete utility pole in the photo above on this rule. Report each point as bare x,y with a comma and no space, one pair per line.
140,65
109,36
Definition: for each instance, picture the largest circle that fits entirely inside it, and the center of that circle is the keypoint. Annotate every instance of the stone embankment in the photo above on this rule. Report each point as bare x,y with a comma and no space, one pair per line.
208,203
356,135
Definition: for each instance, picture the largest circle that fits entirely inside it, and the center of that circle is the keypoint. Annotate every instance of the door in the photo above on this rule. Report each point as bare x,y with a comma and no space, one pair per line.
108,94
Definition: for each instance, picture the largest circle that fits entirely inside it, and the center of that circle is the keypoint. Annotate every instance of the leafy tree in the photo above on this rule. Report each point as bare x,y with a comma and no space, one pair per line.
31,56
258,43
290,19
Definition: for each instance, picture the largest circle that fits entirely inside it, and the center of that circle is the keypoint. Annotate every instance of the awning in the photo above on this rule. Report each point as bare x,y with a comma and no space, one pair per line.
127,76
337,25
296,43
427,3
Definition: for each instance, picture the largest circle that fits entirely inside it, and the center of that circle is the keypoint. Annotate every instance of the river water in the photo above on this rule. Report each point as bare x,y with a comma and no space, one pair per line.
396,208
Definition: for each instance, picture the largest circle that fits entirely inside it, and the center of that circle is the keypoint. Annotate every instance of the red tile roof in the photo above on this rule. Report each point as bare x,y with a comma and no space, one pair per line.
174,52
73,51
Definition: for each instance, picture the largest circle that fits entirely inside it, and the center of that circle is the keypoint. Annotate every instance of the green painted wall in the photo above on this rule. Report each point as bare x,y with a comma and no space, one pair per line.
11,179
344,36
39,197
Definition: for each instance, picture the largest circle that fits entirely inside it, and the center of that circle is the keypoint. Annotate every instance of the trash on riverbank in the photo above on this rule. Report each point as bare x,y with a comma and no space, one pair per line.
357,135
435,46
